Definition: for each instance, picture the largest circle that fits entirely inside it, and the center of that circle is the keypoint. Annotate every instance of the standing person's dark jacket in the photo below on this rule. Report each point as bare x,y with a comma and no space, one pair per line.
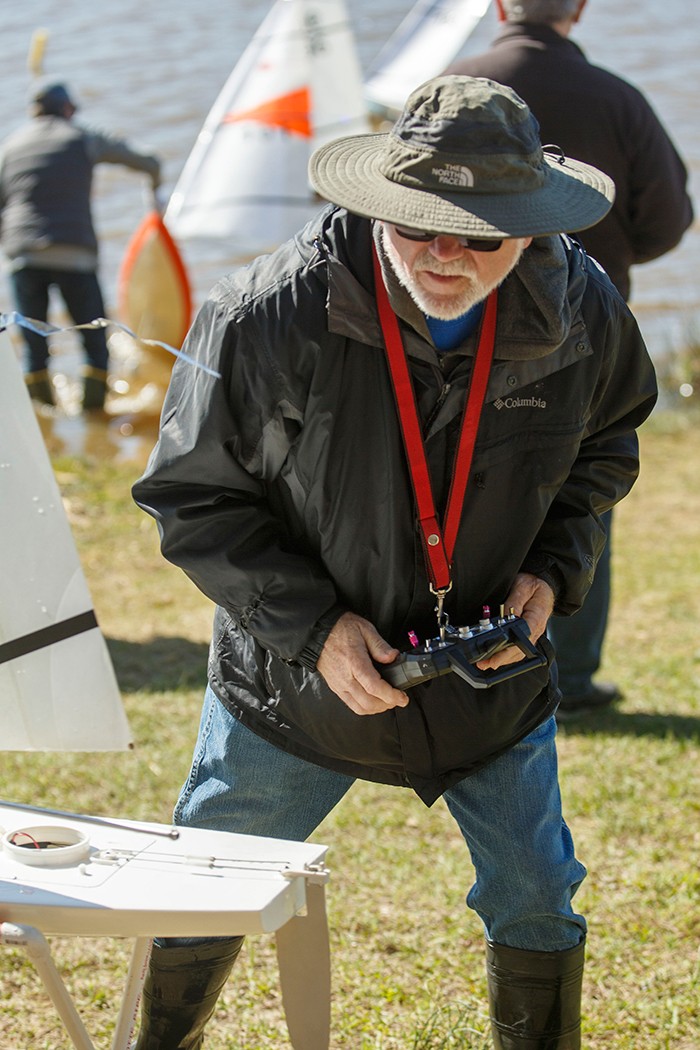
598,117
48,236
285,526
46,170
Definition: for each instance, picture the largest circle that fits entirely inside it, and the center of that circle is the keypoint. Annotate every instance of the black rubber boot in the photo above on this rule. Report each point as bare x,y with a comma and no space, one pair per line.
94,388
535,997
181,989
39,387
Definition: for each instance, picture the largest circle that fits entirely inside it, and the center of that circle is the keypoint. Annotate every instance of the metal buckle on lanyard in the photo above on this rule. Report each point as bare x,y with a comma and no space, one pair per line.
442,617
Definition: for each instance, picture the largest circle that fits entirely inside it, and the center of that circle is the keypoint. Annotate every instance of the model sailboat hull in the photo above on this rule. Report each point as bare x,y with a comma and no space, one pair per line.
153,288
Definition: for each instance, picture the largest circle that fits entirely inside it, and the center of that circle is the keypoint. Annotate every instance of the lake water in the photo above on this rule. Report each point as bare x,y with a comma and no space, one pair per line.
150,70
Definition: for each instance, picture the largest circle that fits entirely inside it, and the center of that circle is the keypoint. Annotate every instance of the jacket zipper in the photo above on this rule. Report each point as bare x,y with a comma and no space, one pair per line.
446,387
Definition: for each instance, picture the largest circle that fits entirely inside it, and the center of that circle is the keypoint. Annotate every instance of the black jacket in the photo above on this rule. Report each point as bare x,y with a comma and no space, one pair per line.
46,169
45,181
282,489
599,118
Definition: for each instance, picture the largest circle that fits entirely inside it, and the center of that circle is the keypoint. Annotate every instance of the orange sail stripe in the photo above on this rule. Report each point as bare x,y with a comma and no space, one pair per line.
289,112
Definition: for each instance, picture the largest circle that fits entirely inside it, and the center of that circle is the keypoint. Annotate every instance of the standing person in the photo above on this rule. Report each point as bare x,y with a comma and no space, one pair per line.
600,118
47,232
283,489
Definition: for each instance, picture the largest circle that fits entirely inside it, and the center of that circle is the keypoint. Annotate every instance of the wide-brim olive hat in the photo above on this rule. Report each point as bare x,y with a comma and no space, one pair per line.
464,158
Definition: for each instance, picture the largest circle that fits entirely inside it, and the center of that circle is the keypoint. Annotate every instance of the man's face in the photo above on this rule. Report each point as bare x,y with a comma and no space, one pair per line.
443,278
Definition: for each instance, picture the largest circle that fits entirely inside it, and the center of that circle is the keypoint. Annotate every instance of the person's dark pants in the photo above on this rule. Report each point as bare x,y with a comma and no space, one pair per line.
83,298
578,639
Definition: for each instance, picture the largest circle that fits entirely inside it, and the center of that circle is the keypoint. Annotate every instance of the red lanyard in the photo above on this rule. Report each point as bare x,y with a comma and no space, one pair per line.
438,546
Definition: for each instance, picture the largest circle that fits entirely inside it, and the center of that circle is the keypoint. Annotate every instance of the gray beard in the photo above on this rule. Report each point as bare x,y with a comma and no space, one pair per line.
444,309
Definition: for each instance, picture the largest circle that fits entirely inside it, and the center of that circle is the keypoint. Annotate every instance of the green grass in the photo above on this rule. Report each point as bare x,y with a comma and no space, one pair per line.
407,956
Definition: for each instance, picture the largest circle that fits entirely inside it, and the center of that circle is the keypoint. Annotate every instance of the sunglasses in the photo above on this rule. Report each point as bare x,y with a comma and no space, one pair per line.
475,244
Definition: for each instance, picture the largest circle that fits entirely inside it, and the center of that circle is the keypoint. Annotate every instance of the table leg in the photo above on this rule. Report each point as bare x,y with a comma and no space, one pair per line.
303,954
126,1022
36,947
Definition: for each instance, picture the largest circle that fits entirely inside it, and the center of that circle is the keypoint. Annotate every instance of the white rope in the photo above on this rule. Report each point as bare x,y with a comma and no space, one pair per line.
45,329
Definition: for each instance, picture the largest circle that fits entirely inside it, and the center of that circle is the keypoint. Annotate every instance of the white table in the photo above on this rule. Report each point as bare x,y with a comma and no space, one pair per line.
149,880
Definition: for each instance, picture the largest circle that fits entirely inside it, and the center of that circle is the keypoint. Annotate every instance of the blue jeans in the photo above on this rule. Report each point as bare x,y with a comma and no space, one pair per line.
509,814
83,298
578,639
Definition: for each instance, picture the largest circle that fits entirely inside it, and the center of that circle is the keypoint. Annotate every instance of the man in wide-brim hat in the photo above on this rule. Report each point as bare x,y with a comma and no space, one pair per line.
416,408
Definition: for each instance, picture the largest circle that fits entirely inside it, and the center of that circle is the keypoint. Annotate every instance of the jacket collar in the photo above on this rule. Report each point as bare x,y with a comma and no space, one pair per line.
537,301
522,32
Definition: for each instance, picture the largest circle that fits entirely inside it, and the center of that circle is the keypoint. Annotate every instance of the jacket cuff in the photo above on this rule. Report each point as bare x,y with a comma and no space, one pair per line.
555,580
309,655
544,568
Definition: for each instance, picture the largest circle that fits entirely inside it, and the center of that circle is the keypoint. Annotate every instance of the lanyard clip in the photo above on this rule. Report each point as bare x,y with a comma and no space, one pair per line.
442,617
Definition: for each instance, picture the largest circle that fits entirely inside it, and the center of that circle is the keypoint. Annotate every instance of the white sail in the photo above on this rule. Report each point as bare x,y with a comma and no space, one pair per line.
297,85
431,35
58,691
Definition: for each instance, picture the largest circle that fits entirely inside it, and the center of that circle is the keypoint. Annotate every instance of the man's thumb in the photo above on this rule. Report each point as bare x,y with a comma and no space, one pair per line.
379,649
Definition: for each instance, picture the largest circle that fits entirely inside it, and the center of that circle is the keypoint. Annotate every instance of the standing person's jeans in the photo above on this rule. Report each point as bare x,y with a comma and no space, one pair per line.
509,813
83,298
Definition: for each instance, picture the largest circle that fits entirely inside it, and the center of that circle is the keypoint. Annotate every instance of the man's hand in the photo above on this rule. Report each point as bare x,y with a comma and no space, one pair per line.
533,599
347,664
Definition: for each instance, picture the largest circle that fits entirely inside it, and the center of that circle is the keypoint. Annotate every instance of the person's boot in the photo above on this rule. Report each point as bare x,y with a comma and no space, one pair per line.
94,388
180,992
39,387
535,997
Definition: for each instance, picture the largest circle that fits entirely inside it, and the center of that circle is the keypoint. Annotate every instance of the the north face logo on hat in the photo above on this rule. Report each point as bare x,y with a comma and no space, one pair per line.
454,175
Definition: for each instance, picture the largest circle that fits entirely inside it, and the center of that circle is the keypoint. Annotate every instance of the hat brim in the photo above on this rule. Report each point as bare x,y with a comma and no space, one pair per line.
572,196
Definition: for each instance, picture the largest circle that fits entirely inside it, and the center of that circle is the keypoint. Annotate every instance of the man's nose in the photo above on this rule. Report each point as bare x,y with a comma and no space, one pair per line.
444,247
